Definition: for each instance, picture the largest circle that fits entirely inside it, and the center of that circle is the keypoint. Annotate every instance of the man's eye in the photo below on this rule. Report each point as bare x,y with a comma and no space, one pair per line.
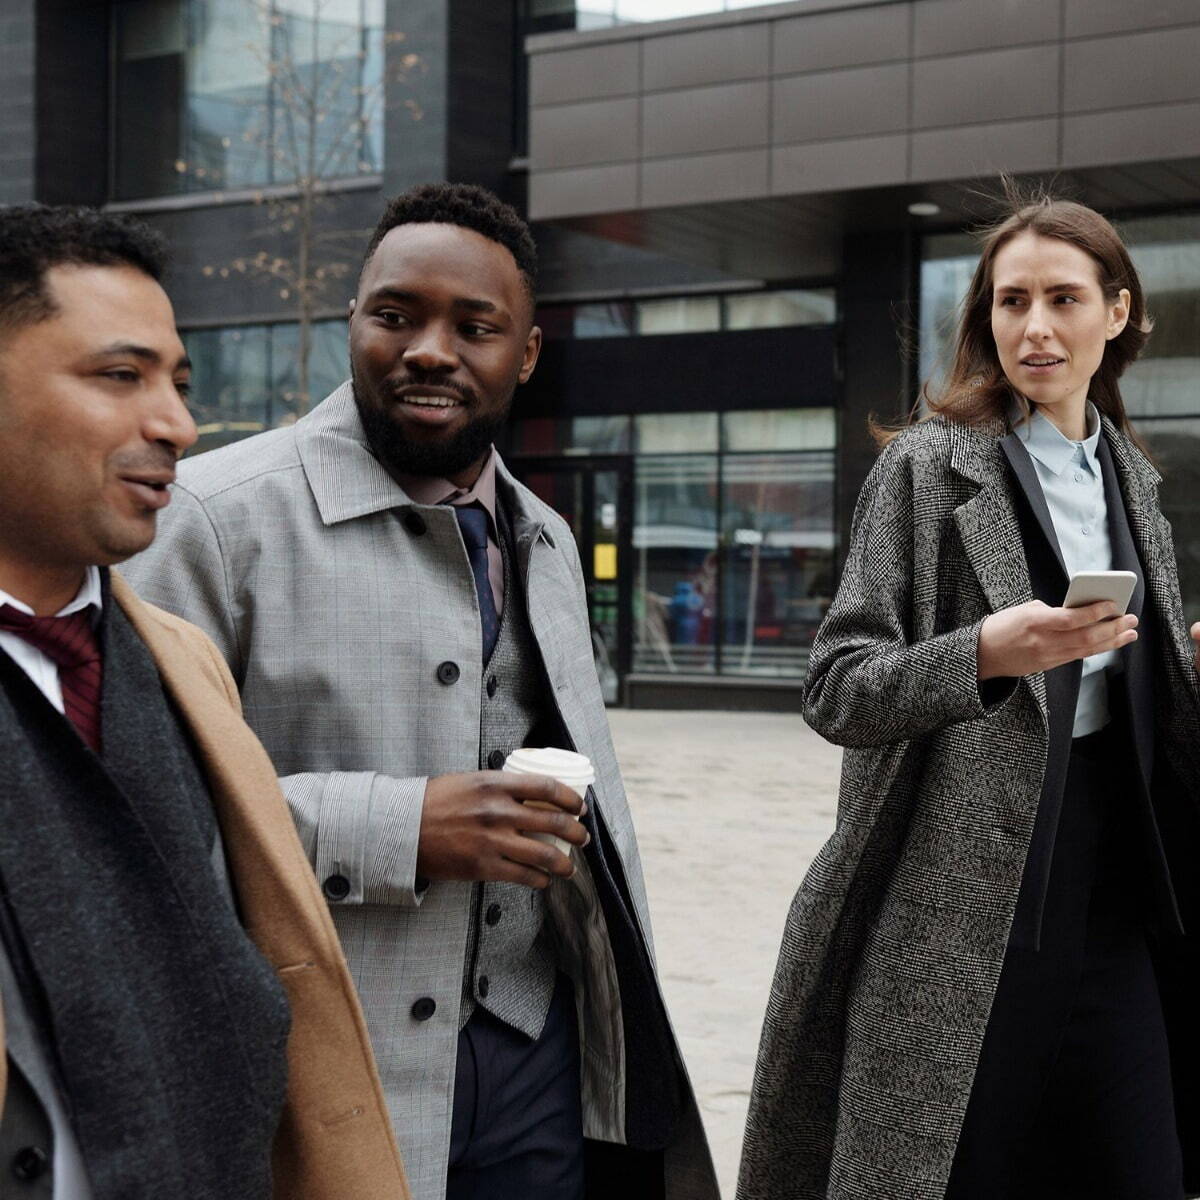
121,375
390,317
1065,299
184,388
473,330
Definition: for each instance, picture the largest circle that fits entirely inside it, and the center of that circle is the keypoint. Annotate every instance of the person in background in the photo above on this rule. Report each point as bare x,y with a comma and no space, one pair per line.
400,614
987,980
156,909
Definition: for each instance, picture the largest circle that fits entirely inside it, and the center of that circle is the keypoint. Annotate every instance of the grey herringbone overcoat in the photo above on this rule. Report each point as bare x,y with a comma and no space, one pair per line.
335,599
895,940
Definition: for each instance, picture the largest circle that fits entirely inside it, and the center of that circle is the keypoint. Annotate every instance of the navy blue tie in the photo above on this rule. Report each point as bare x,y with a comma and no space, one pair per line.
473,523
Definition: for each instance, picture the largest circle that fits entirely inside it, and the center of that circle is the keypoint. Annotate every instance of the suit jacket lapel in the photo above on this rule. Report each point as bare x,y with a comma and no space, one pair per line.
1030,485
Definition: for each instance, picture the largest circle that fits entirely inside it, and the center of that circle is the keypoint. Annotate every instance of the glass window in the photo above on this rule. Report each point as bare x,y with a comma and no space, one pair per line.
1175,445
778,537
675,552
683,314
571,435
214,94
245,378
602,320
780,429
771,310
602,14
674,433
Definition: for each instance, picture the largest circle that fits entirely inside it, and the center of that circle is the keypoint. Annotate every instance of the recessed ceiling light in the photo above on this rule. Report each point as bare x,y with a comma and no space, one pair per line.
924,208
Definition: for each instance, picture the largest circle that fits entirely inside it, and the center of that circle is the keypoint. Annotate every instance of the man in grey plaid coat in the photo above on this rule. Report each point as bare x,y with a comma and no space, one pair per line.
399,614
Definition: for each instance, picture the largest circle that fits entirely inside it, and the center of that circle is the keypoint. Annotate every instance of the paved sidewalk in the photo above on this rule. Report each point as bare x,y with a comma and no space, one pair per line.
730,809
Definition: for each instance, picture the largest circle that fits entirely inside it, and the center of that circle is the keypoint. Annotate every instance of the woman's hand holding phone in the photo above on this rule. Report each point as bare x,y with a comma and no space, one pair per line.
1033,637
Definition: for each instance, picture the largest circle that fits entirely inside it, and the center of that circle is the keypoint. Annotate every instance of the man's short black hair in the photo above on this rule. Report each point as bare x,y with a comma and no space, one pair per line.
469,206
36,237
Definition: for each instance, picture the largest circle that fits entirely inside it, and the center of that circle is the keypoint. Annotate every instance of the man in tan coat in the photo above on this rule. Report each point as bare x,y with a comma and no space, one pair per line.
176,1017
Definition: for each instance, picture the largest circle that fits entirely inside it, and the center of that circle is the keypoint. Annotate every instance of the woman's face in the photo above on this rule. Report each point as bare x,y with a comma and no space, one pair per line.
1051,321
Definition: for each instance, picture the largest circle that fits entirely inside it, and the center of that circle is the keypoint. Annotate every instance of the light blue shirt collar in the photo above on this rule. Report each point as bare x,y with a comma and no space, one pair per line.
1045,441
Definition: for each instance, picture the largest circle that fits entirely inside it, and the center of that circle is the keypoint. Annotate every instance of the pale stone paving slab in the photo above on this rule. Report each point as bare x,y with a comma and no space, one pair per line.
730,809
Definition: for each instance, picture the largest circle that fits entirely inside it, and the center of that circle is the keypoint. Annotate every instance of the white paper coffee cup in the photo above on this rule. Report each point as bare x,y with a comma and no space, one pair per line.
575,770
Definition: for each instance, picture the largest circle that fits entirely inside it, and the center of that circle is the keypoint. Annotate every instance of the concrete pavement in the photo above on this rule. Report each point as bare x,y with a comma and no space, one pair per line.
730,809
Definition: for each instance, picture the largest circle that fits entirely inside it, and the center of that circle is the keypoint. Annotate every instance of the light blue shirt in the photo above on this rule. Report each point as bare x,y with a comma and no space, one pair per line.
1069,473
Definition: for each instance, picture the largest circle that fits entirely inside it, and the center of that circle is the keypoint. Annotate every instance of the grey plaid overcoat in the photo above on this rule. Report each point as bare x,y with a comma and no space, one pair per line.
295,552
894,942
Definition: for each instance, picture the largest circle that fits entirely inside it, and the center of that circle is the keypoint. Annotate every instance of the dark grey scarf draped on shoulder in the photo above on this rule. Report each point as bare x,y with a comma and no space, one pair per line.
166,1027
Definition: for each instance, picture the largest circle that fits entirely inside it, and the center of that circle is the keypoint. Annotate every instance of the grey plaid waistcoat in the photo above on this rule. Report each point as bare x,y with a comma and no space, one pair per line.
509,970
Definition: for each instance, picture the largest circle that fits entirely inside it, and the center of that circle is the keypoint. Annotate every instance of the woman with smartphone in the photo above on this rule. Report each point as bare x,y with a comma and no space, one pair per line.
984,989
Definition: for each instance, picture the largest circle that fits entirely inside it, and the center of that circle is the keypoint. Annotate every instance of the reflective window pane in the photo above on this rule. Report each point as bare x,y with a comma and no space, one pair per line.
1176,449
778,537
674,433
214,94
780,429
571,435
675,555
683,314
245,379
770,310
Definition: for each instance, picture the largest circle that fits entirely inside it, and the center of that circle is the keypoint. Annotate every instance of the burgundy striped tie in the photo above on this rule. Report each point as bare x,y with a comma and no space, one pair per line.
71,642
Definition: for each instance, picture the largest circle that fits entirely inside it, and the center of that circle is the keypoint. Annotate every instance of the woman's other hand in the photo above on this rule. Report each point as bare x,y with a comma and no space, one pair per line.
1196,639
1034,637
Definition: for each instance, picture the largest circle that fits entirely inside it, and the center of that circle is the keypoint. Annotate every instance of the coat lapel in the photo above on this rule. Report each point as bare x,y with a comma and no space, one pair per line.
988,526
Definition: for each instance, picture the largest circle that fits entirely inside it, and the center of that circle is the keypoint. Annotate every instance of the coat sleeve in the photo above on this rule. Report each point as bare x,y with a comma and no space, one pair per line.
871,682
360,825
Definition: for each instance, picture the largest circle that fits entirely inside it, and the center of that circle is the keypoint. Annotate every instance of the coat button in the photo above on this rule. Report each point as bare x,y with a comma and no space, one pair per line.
30,1163
484,986
493,915
414,523
336,887
448,672
492,685
496,759
424,1008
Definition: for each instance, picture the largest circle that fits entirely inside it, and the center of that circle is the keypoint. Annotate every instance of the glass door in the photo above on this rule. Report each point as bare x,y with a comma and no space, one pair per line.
595,497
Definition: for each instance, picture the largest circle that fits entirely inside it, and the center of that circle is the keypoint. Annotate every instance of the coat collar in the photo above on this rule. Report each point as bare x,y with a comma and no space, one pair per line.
348,481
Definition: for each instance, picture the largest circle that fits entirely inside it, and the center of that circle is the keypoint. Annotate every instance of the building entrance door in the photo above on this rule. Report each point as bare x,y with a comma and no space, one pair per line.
595,497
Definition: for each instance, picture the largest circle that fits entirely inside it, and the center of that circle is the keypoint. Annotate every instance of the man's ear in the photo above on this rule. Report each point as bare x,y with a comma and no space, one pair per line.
533,347
351,306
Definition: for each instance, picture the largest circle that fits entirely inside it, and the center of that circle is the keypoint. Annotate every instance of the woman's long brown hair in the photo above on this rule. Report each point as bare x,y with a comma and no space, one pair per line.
976,390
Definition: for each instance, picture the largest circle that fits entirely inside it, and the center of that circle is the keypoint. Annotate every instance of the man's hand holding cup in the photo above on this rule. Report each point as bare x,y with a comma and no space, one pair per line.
509,826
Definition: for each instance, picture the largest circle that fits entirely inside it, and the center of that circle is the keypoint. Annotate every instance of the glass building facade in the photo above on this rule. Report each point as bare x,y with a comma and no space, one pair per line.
247,93
1161,390
245,377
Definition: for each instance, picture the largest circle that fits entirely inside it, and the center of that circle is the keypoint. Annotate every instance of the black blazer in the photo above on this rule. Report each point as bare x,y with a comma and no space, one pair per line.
1131,694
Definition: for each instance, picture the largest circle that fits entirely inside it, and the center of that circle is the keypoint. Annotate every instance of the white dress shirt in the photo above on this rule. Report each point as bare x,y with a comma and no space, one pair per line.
40,667
1073,485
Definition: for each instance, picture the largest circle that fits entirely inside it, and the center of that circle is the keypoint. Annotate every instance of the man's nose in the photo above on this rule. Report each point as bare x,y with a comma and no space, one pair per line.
167,419
431,349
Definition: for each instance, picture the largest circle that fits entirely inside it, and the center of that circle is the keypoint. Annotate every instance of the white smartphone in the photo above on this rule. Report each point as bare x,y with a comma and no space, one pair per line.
1088,587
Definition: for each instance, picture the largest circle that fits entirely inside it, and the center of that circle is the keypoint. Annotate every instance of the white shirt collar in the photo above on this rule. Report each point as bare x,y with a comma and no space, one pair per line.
1046,442
88,594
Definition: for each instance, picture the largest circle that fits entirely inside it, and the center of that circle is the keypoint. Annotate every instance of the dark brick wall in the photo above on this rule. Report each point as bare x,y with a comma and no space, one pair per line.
17,118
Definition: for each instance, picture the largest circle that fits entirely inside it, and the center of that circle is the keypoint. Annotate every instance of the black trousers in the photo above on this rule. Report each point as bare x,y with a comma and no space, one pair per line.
517,1130
1072,1096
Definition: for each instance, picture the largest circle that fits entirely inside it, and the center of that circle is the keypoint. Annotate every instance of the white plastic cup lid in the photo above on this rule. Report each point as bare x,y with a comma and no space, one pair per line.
575,770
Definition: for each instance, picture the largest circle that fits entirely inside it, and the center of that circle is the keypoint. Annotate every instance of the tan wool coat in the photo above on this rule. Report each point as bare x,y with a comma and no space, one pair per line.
334,1140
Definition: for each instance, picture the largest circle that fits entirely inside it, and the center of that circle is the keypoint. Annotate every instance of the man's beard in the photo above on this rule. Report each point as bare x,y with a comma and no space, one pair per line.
436,459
